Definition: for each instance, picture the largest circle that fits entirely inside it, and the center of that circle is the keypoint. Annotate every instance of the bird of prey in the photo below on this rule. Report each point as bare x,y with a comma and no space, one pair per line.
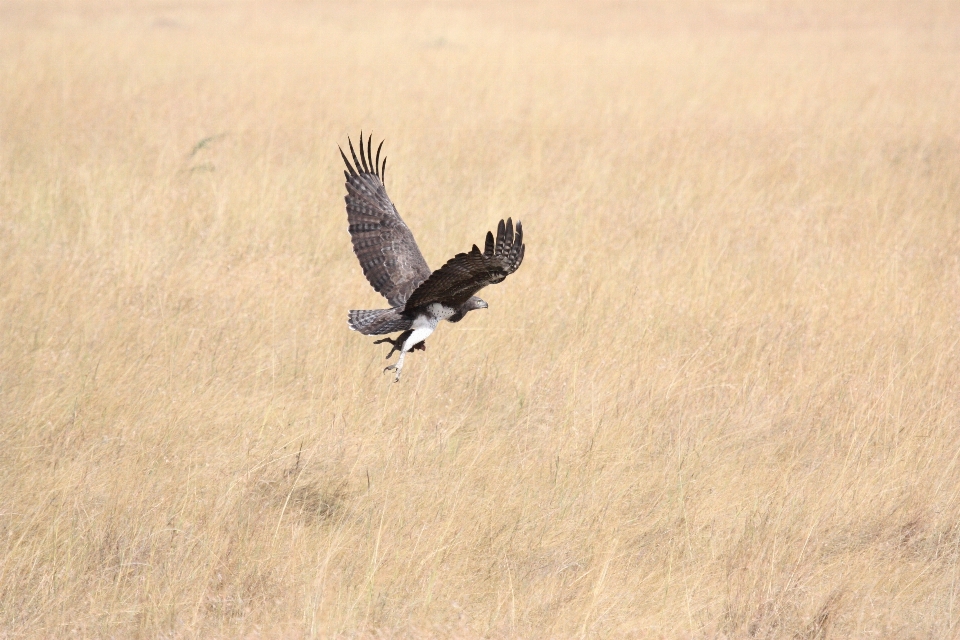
419,298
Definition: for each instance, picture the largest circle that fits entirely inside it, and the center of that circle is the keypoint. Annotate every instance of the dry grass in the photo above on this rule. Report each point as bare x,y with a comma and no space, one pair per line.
720,399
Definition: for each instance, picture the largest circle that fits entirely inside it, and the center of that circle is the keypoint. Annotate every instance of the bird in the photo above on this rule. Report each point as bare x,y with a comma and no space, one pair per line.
419,298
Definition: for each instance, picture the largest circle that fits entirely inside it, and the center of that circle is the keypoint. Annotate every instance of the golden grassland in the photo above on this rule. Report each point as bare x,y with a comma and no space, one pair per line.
721,398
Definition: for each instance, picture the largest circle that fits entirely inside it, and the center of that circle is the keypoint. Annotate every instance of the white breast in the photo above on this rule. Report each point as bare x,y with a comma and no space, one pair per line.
424,324
439,311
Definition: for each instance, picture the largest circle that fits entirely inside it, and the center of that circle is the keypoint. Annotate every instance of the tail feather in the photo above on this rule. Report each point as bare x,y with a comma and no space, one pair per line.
376,322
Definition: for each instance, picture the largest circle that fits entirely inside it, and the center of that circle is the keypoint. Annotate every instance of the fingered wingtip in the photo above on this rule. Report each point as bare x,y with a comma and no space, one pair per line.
367,162
508,244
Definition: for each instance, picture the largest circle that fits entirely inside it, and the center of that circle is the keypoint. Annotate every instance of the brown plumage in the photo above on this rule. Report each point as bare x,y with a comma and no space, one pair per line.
388,254
466,273
394,266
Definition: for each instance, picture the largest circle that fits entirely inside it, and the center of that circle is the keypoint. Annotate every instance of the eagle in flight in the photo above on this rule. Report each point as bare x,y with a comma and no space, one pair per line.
419,298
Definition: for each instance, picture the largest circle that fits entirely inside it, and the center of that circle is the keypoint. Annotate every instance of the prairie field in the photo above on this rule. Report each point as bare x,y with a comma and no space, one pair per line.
720,398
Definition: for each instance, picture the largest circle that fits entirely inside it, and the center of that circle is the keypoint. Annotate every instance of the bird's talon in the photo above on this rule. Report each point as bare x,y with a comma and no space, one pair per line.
396,344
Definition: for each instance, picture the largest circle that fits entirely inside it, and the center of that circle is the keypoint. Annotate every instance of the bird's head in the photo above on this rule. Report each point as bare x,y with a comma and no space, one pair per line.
472,303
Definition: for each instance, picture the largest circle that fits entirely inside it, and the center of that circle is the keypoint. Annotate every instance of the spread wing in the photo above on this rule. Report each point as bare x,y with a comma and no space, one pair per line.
466,273
383,243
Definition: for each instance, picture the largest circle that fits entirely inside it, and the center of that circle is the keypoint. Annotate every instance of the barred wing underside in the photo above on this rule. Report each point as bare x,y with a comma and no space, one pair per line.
388,254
